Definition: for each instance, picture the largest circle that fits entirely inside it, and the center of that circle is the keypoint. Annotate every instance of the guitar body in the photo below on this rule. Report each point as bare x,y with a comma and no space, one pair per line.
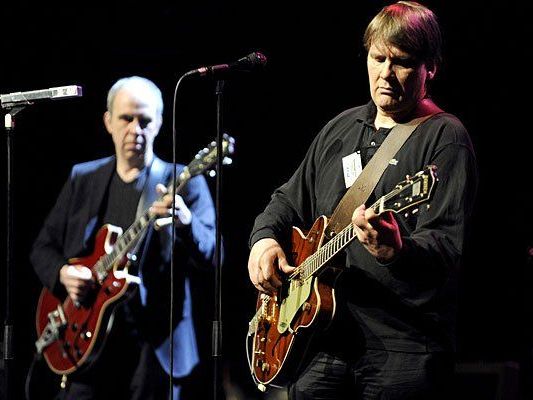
286,321
74,334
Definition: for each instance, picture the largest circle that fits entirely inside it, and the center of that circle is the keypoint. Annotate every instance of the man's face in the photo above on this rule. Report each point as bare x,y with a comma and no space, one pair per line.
133,123
397,80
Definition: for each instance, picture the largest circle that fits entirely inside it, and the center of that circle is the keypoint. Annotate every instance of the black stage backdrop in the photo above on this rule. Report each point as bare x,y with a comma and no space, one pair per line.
316,68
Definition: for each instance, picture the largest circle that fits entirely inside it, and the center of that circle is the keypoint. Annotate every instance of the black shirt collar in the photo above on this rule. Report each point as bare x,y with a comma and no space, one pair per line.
368,114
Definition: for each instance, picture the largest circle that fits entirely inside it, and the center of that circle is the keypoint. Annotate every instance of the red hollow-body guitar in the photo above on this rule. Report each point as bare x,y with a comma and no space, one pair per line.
70,336
280,331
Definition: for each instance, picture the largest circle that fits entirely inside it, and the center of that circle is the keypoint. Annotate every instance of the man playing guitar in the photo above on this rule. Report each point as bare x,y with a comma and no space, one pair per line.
392,335
134,362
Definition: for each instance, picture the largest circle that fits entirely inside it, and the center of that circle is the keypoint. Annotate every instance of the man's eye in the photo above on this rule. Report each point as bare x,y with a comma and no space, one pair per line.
127,118
144,122
406,62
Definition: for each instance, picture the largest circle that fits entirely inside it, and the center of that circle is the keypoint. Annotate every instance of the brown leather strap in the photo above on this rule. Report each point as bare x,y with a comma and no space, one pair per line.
365,183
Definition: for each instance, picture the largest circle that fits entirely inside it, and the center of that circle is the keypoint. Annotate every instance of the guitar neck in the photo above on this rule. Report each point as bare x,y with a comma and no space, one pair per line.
136,231
325,253
317,260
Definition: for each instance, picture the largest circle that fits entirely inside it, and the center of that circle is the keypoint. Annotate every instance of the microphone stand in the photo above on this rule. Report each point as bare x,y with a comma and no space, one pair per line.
217,322
8,352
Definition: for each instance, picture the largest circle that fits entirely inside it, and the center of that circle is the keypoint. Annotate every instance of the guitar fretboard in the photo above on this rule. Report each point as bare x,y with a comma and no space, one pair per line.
314,262
318,259
135,232
124,243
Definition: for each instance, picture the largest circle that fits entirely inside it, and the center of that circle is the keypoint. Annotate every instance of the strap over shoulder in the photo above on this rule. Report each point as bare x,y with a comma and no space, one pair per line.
365,183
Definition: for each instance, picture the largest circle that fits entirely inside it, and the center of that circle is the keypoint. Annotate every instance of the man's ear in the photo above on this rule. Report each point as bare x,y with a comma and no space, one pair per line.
158,123
107,121
432,71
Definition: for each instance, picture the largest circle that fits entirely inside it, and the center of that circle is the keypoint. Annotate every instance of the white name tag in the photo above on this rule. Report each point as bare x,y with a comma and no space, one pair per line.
352,167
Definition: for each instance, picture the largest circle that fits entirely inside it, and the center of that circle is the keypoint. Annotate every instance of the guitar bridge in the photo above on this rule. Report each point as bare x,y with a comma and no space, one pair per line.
56,324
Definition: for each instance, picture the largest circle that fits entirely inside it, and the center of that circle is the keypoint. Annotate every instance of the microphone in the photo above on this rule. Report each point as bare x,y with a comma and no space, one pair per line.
55,93
245,64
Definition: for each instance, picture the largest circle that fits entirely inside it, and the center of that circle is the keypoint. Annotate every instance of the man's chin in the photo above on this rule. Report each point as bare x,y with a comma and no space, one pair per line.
389,107
134,154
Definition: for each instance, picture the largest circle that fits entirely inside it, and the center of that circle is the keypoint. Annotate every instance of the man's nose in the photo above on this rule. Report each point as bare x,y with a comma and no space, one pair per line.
386,70
135,127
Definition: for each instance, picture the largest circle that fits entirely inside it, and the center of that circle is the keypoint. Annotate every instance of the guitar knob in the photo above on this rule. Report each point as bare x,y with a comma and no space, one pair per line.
64,353
306,306
261,387
265,367
63,383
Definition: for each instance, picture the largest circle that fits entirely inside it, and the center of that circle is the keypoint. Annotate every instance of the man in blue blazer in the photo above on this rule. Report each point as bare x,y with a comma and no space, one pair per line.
135,361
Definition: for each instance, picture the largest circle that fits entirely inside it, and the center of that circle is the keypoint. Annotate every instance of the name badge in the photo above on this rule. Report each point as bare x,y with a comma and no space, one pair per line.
352,168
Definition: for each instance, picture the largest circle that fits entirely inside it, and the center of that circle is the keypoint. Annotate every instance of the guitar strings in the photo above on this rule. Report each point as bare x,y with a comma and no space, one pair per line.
306,267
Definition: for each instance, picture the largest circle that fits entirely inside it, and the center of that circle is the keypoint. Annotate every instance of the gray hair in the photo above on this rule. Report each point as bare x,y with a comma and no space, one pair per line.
135,82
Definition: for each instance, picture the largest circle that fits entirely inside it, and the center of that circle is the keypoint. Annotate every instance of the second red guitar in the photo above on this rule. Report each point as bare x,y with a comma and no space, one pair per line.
70,336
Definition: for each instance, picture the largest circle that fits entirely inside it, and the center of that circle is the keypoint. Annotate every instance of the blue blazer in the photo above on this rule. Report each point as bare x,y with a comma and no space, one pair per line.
70,227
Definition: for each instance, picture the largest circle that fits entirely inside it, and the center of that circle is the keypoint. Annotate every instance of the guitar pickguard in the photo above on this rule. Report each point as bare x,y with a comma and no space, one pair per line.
298,293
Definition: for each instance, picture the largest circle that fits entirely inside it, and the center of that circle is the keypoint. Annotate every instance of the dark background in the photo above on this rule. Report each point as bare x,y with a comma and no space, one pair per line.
316,68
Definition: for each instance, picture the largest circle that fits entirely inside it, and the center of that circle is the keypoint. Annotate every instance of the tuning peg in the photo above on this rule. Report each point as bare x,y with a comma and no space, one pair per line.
227,161
212,173
229,138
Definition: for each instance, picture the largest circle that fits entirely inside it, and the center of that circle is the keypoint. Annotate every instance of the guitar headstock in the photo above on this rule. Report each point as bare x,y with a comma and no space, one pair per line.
407,194
207,157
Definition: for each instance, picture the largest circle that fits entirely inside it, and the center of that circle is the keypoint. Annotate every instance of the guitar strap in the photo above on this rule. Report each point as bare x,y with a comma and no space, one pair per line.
155,175
365,183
